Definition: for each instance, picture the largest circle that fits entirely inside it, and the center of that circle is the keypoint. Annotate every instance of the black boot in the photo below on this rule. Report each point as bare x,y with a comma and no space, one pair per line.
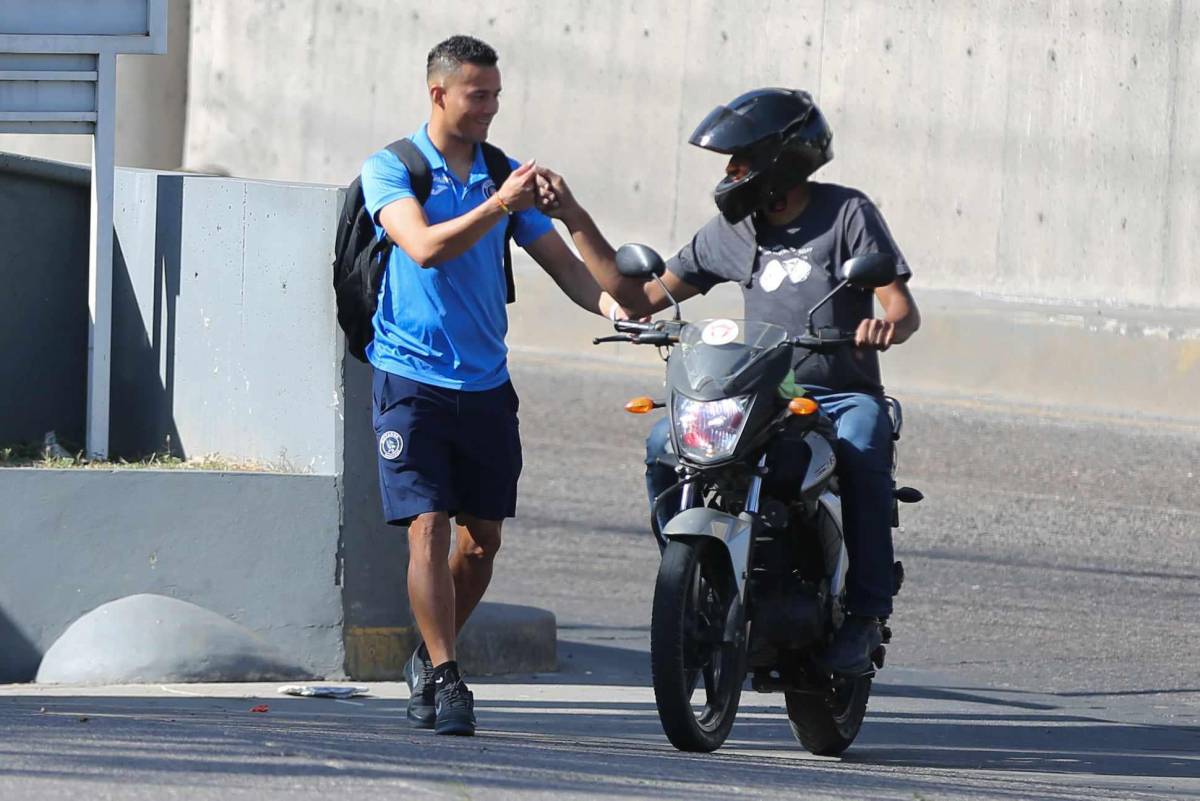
850,652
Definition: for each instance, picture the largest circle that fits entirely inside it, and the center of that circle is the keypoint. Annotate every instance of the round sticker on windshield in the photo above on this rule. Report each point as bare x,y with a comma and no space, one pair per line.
719,332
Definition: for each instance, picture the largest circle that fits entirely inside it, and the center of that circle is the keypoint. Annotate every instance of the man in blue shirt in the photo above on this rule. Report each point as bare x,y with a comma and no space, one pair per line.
445,412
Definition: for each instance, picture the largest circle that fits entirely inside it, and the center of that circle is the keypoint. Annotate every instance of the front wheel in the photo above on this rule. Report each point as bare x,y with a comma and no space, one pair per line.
696,639
826,723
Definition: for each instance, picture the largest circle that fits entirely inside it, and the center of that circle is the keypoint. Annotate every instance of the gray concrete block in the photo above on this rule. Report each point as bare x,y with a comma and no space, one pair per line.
508,638
499,638
151,638
260,549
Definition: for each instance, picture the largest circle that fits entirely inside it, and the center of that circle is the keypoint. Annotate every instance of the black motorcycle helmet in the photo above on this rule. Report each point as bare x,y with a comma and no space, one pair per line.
782,135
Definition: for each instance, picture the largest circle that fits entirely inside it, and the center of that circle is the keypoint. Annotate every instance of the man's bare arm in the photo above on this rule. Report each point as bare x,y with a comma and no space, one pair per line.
638,297
900,320
430,245
552,254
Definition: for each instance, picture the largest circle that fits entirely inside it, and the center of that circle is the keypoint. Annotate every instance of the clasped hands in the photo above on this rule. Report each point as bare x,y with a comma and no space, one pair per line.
531,186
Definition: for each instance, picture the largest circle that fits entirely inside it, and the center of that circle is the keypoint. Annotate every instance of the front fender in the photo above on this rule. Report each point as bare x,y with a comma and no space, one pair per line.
734,533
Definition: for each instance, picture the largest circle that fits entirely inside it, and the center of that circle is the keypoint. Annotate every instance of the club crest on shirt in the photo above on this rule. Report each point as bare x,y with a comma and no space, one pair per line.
391,445
489,188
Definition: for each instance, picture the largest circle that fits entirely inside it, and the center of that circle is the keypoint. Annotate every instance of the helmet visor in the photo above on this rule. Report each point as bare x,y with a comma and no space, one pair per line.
725,131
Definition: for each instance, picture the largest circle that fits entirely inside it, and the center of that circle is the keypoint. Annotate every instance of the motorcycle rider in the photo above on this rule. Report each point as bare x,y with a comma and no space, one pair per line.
784,238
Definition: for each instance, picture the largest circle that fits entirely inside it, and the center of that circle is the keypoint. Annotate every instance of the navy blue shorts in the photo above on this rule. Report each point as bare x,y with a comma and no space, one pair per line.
445,450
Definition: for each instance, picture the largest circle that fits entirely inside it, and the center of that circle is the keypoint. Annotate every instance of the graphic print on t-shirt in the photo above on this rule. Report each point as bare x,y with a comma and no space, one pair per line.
780,264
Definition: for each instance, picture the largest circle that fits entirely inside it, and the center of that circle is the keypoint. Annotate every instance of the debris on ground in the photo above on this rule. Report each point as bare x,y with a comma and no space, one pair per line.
323,690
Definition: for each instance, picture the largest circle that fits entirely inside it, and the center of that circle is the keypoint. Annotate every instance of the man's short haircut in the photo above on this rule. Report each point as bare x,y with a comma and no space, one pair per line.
446,57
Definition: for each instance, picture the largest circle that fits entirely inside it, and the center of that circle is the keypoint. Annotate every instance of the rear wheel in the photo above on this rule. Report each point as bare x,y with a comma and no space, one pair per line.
697,646
826,723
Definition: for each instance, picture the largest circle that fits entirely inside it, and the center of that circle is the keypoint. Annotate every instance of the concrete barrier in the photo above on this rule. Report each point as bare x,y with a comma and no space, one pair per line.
145,638
259,549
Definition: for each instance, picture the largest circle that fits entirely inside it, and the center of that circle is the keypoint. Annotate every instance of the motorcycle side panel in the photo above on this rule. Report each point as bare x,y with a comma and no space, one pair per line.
837,561
733,532
821,465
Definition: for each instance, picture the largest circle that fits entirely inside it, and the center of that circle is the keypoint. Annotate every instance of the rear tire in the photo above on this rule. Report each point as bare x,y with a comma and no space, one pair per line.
693,598
827,723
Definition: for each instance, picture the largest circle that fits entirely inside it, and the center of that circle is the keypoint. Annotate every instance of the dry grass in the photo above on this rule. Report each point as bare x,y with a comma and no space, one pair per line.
27,455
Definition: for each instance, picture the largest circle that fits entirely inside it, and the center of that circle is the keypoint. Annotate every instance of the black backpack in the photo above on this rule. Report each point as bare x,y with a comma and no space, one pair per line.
360,259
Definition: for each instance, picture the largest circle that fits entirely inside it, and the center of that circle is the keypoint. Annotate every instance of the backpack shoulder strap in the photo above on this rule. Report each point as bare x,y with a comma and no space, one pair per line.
499,169
417,165
497,163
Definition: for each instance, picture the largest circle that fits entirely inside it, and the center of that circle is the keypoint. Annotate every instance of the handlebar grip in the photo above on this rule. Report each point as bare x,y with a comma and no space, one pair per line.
805,341
660,338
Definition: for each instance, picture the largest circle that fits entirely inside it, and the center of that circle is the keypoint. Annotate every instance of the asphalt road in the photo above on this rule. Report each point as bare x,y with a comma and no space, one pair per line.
1046,641
1050,554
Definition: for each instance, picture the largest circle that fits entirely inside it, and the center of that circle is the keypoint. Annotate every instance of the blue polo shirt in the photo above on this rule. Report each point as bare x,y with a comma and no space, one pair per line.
444,325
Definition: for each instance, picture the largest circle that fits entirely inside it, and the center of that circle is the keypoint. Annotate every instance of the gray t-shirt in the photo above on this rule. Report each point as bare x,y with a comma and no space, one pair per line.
785,270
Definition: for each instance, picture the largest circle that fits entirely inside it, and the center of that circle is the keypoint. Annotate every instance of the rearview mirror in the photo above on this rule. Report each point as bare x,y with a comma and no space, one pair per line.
870,270
639,261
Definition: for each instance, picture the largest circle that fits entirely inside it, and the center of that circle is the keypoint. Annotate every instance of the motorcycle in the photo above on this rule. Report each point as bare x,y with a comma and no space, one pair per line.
752,578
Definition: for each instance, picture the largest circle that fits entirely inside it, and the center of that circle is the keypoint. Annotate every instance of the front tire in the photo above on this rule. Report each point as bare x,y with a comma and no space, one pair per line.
695,598
827,723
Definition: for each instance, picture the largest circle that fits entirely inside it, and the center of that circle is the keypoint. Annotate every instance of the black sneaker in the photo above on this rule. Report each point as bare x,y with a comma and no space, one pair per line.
418,672
850,652
455,709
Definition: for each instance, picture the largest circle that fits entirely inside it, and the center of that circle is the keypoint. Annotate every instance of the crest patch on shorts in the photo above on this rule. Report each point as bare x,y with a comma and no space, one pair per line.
391,444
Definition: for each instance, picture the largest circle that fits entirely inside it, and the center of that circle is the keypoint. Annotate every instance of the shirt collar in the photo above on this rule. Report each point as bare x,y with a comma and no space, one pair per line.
479,171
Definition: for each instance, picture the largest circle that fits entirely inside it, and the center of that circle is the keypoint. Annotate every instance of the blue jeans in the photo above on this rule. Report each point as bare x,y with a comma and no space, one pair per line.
864,454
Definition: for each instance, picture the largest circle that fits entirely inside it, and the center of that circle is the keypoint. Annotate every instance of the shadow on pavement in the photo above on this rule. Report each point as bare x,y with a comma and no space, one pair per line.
577,740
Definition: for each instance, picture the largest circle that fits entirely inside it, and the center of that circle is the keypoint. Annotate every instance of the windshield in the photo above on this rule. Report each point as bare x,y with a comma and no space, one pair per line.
715,350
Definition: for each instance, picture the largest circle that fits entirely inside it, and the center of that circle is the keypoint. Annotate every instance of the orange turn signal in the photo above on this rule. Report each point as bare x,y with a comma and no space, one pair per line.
642,405
803,406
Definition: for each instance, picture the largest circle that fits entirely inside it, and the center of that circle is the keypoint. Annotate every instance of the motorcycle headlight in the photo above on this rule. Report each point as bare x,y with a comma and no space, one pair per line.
708,431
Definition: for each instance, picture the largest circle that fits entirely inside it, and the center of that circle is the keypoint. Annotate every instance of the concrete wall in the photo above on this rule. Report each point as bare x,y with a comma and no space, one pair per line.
1040,149
224,335
225,342
229,313
1099,362
44,308
151,101
379,630
259,549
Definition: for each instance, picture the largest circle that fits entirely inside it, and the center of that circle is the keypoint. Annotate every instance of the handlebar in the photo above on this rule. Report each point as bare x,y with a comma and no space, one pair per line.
824,343
633,326
659,338
661,333
666,332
